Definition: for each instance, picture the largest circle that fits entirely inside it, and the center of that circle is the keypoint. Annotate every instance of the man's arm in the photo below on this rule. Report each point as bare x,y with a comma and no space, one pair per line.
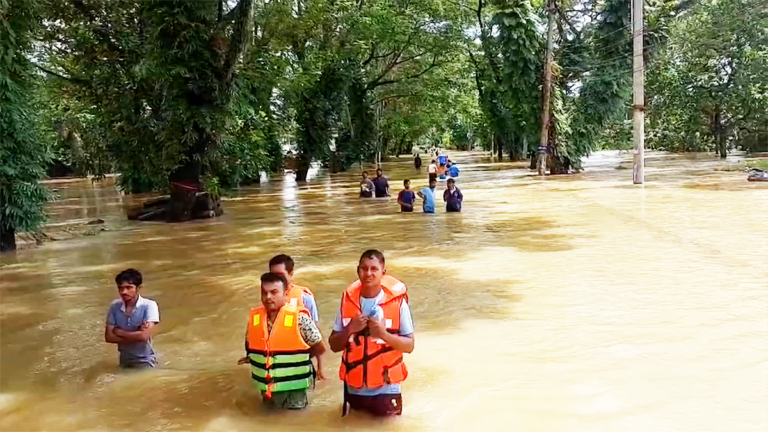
404,344
109,335
144,334
400,200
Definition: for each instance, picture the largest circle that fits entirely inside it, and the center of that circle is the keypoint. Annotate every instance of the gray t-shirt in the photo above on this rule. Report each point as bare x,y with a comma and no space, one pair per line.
134,353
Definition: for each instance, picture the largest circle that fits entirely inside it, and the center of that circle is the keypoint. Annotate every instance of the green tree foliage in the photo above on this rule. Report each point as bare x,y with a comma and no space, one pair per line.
22,155
509,71
709,85
159,78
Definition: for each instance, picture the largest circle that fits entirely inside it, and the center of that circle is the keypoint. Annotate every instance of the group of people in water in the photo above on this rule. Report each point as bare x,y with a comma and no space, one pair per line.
373,329
441,167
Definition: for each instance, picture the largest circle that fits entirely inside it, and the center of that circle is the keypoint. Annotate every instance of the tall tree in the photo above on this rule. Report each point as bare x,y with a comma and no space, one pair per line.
162,76
709,85
22,155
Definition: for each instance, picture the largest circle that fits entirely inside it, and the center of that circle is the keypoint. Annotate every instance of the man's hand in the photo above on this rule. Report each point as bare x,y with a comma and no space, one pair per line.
377,327
117,331
243,361
357,324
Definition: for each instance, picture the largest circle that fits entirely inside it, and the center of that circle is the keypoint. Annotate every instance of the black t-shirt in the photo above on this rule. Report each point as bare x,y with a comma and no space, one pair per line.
381,185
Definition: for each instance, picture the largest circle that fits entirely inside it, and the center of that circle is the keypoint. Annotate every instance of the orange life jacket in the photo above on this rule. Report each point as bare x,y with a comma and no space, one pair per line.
367,361
280,359
295,295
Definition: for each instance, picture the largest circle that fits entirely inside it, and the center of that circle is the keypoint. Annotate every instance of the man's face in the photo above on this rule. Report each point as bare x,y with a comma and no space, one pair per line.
378,173
128,291
273,296
365,176
280,269
451,185
432,184
407,185
370,271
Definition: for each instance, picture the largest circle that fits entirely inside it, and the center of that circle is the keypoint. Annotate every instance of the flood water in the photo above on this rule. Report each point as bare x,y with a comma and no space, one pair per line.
570,303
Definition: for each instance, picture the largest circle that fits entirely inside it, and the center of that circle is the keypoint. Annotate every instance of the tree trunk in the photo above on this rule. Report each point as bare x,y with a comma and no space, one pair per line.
302,167
719,135
544,135
7,239
500,147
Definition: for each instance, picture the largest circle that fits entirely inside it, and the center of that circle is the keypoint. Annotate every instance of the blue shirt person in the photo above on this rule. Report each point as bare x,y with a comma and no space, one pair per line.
131,322
283,264
453,171
428,195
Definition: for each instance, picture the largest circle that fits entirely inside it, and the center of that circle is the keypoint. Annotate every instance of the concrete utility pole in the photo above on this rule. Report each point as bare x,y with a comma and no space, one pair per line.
544,135
638,100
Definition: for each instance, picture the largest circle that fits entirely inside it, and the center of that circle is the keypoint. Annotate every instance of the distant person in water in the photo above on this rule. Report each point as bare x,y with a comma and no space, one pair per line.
452,197
366,186
441,171
280,341
373,329
406,197
132,320
381,184
428,195
296,294
453,170
432,170
417,162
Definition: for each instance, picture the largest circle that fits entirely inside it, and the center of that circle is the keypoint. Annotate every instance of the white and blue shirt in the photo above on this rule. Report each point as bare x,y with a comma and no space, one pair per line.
133,353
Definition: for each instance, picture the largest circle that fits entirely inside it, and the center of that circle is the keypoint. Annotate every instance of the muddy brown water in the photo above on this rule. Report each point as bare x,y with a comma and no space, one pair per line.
570,303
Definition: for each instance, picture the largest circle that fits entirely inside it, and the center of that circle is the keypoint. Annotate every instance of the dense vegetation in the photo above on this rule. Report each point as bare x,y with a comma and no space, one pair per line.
214,92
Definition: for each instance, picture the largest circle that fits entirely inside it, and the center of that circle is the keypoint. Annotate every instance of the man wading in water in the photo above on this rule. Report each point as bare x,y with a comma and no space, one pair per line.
131,322
297,294
279,342
373,328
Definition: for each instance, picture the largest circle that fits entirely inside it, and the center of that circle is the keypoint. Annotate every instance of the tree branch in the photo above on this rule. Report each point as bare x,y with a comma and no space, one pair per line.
239,40
567,21
431,66
394,96
50,72
373,84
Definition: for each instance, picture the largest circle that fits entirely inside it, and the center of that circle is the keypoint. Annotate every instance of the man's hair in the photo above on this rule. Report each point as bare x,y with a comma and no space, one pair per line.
365,173
132,276
406,181
371,254
433,161
270,277
450,180
378,169
284,260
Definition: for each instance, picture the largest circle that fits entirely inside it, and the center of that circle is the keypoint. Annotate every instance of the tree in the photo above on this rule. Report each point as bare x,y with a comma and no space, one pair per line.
22,155
508,71
709,85
160,77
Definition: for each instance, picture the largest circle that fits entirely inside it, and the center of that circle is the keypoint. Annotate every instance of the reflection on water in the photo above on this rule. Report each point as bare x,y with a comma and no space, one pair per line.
576,303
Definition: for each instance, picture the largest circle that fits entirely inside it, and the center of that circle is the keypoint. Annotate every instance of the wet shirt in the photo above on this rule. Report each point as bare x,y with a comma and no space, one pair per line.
453,199
134,353
453,171
381,184
407,196
366,188
370,307
429,200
